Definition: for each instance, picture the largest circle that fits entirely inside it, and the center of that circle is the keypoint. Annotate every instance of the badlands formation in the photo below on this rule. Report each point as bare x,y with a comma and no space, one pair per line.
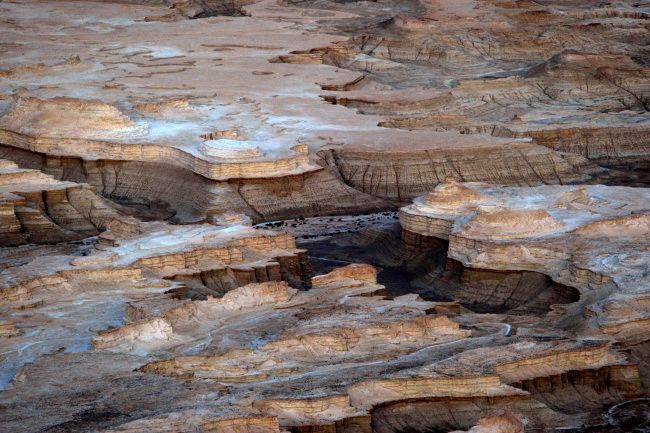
324,216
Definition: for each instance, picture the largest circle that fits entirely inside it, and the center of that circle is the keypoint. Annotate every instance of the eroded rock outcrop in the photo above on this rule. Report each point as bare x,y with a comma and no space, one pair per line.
530,220
590,238
130,260
100,131
514,299
37,208
373,364
148,106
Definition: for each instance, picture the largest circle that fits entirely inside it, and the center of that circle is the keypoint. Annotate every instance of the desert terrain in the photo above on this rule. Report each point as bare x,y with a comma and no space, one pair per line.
324,216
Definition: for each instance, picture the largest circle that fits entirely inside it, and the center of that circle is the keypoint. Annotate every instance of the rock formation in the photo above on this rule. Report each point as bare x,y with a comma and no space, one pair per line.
262,339
172,172
37,208
591,238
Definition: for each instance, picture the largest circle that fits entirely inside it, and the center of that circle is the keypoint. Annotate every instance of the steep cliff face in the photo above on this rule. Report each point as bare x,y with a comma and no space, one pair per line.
618,147
487,290
161,191
589,238
403,175
36,208
157,172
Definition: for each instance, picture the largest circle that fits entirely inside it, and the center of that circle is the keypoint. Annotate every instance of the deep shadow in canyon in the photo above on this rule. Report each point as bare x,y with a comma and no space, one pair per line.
409,263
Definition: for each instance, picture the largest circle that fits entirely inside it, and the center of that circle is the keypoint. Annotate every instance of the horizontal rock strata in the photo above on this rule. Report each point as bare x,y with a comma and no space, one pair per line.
165,163
37,208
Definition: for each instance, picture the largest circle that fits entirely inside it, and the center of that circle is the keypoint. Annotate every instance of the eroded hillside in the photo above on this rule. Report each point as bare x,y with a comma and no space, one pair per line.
324,216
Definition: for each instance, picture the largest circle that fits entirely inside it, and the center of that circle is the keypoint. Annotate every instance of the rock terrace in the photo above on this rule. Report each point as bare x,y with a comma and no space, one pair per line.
324,216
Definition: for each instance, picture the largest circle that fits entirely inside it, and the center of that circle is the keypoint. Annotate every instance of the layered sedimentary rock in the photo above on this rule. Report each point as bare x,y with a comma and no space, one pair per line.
88,287
131,133
37,208
140,140
591,238
411,170
100,131
584,221
215,258
267,357
570,79
144,105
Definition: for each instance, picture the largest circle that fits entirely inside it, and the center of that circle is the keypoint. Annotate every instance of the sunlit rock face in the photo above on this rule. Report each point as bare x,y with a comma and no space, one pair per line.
173,171
69,118
591,238
229,149
549,228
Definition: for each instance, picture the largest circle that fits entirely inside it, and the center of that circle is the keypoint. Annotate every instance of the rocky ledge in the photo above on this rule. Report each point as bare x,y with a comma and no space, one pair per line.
592,238
157,158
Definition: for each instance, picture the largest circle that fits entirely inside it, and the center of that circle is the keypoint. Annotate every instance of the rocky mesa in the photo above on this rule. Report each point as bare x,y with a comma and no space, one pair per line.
324,216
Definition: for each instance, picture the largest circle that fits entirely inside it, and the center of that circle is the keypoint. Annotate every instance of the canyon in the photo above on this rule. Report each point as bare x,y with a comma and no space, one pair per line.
324,216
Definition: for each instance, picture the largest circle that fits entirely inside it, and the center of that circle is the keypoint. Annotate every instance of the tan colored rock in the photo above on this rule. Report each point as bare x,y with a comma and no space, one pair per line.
452,194
37,208
8,329
253,424
354,272
68,118
511,223
592,238
234,112
506,423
